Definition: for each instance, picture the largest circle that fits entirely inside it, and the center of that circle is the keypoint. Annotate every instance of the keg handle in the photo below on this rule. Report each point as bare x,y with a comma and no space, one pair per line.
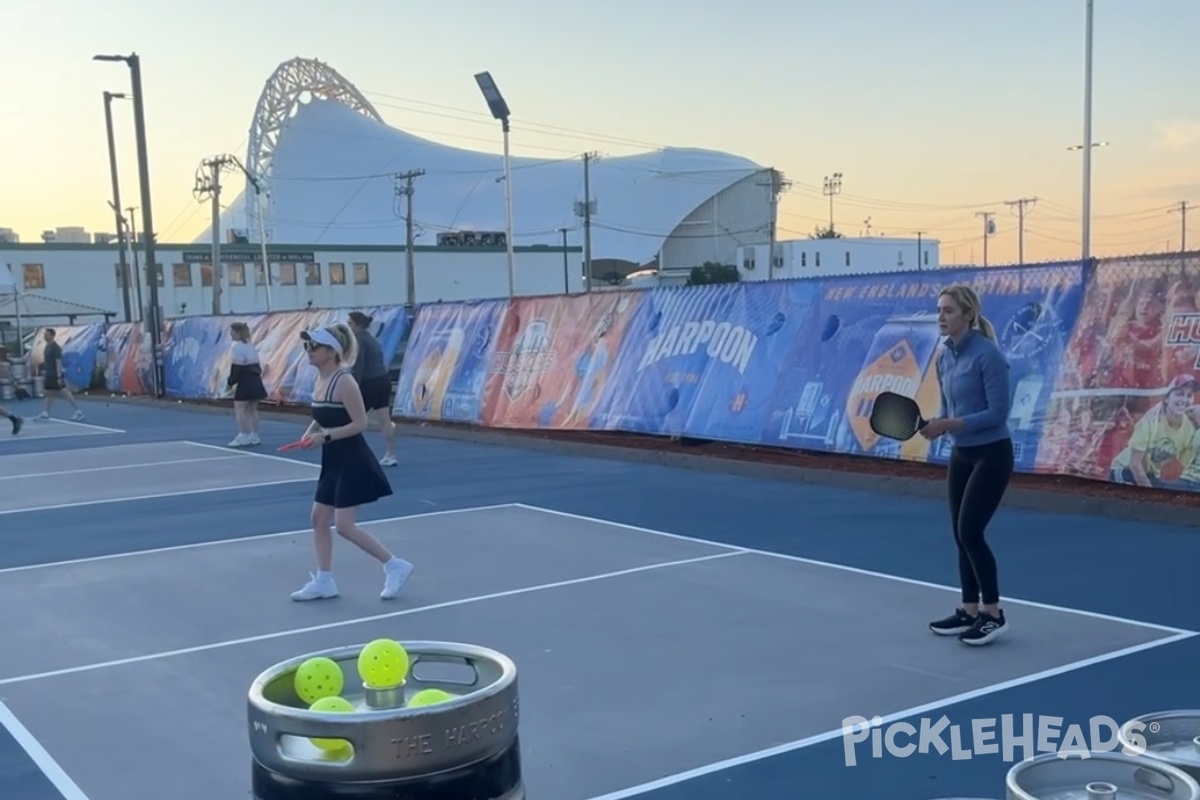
451,660
1155,779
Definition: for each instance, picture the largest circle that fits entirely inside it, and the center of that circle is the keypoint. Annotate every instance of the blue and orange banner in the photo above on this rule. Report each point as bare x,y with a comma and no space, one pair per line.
1104,359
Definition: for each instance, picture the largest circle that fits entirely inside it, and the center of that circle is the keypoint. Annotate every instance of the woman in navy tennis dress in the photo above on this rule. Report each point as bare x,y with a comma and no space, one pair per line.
350,474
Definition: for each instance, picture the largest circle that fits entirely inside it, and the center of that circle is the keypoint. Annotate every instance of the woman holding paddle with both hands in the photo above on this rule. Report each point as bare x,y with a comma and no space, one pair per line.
974,413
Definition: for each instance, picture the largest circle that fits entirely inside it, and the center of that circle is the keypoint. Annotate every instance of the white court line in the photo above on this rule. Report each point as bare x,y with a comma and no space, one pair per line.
75,423
800,744
183,493
114,466
262,637
28,435
45,762
237,540
267,456
866,572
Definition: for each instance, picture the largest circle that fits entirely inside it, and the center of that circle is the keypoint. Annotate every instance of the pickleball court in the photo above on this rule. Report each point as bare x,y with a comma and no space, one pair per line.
644,655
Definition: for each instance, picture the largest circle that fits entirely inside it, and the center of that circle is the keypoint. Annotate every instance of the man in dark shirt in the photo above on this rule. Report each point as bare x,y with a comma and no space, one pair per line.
372,376
54,383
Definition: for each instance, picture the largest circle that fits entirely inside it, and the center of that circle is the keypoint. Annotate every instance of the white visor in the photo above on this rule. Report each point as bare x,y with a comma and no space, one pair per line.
323,336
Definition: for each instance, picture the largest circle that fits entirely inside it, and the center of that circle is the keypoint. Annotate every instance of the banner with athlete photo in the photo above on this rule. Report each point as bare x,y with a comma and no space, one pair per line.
869,334
1125,407
129,359
447,359
293,377
553,357
197,353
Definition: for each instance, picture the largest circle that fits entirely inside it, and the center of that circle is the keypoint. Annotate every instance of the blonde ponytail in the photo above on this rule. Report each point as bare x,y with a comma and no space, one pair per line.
349,342
985,327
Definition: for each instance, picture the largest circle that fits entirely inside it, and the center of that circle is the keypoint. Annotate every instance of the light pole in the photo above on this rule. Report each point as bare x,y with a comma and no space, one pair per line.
116,201
833,186
152,270
1087,136
499,109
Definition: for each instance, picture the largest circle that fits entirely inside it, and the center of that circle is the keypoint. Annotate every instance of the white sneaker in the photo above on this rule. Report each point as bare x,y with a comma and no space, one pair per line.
42,417
387,461
318,588
253,440
394,576
78,415
241,440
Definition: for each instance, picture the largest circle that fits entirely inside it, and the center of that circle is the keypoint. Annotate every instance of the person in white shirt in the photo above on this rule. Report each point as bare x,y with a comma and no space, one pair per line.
245,378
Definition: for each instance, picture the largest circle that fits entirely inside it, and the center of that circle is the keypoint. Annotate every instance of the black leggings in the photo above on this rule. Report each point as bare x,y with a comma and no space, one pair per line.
978,478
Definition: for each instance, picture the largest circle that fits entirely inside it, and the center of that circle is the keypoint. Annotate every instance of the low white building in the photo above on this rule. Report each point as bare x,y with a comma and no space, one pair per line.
812,258
302,276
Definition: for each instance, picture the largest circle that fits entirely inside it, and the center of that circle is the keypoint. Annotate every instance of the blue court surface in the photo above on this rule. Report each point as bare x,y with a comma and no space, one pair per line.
678,634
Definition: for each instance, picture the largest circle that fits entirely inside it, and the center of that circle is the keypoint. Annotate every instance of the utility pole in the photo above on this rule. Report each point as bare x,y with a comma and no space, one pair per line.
919,235
566,264
1020,204
777,186
585,210
989,227
208,187
1182,211
833,186
123,264
404,187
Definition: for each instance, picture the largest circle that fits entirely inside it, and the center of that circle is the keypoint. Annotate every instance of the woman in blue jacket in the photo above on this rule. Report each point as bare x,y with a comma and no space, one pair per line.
975,406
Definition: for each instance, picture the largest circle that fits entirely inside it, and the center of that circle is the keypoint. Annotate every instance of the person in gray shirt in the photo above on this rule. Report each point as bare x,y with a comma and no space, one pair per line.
372,376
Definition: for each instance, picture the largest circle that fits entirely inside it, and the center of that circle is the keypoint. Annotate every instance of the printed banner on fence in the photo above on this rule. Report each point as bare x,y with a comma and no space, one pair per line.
447,359
197,356
697,361
869,334
553,358
129,358
1125,405
80,346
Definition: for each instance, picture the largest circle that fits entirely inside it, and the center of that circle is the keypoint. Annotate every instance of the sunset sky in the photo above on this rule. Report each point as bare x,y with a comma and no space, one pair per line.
933,110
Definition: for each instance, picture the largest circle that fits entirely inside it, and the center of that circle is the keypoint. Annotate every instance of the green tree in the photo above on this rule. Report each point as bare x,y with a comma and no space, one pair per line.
825,233
713,272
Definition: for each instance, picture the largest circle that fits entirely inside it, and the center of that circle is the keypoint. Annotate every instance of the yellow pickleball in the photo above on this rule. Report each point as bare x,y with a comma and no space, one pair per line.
332,705
318,678
382,664
429,697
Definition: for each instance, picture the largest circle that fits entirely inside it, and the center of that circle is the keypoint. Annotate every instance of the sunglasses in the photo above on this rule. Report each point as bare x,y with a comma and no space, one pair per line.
310,346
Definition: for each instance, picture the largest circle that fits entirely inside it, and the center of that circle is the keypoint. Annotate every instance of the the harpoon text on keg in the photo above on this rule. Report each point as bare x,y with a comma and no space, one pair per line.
470,732
413,746
1011,737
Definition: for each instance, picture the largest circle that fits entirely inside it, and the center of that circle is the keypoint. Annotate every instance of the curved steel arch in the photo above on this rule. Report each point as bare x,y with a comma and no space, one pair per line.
285,91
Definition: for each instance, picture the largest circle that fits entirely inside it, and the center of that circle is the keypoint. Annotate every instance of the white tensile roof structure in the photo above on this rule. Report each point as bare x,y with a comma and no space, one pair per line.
326,162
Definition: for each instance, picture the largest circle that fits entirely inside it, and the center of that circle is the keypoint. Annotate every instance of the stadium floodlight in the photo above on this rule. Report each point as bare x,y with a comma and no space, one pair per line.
499,109
152,268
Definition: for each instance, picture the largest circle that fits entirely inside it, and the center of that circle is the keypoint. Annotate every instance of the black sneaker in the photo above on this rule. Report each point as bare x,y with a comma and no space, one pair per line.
17,422
985,629
954,625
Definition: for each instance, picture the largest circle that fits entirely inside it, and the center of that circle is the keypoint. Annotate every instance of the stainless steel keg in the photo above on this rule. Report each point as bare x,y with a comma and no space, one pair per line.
1100,776
1170,737
463,748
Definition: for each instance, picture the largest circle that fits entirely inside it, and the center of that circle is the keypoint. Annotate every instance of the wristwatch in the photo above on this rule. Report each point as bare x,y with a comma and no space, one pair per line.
328,438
